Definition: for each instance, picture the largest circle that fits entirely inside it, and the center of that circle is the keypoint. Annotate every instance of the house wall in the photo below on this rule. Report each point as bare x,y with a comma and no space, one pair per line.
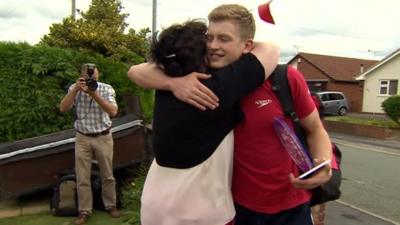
372,99
309,71
352,91
316,80
294,63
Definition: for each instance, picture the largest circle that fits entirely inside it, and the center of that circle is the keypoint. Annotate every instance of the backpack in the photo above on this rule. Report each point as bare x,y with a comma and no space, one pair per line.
65,199
280,85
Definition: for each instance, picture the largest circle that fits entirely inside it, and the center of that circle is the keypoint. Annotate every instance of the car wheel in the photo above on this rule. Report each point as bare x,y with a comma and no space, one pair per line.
342,111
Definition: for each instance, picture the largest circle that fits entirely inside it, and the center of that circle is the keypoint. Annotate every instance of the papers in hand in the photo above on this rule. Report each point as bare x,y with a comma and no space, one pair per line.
292,144
314,169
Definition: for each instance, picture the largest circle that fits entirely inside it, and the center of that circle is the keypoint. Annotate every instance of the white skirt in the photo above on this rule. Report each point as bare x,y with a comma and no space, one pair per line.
200,195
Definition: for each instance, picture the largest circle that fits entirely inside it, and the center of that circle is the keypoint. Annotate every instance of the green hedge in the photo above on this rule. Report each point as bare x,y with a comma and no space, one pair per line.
391,106
34,79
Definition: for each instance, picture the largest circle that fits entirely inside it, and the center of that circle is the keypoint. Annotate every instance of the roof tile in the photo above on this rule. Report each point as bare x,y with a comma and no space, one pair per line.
338,68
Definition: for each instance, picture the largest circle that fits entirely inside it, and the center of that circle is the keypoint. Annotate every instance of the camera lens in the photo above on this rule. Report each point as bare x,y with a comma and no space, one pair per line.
91,84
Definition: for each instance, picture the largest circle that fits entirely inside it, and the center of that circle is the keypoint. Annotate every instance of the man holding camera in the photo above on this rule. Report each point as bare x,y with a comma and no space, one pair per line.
94,105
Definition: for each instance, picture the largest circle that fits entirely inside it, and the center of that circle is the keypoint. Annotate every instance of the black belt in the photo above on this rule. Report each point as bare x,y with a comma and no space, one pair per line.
104,132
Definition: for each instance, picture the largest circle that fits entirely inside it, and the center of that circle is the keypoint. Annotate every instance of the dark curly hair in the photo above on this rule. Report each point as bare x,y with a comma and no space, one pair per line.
181,48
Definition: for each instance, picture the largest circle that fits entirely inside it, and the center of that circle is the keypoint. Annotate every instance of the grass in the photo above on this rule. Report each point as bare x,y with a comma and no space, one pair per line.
46,218
380,122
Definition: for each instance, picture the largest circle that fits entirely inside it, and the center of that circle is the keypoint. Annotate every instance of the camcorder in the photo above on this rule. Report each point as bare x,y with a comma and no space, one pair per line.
91,83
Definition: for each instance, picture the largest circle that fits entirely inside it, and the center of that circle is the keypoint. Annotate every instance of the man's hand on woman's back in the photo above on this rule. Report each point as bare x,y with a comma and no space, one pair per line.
189,89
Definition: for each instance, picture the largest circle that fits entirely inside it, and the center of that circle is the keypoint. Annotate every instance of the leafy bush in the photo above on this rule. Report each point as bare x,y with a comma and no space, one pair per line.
132,193
391,106
34,79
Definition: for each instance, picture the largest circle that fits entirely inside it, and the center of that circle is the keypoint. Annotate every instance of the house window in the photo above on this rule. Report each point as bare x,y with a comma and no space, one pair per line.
388,87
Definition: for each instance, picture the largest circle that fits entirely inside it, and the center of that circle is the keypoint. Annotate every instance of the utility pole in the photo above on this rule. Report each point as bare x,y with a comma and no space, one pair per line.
154,27
73,9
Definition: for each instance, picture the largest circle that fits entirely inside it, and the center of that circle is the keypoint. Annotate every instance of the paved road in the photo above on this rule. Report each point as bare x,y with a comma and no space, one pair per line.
371,193
371,181
341,214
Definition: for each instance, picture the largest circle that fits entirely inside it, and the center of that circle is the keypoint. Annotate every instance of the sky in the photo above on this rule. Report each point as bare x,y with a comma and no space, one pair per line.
348,28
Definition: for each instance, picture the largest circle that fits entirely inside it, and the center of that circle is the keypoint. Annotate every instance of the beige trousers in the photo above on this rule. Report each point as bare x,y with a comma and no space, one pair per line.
86,149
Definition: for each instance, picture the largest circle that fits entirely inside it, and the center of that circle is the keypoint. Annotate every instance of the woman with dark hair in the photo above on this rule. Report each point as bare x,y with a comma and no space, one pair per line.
189,182
180,49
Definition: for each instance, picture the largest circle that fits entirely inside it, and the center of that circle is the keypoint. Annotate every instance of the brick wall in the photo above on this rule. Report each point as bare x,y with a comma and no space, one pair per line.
352,91
359,130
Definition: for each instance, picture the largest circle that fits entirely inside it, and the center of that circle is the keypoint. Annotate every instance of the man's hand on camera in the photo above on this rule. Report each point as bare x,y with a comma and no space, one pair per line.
80,85
90,92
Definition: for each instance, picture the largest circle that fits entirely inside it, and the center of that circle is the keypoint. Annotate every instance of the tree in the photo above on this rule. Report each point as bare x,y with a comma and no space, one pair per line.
101,30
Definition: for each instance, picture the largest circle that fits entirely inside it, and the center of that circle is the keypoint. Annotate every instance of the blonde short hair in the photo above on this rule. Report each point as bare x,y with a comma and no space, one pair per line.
237,14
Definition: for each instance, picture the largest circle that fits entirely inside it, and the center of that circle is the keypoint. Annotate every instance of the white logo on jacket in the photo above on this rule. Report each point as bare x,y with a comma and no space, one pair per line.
262,103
